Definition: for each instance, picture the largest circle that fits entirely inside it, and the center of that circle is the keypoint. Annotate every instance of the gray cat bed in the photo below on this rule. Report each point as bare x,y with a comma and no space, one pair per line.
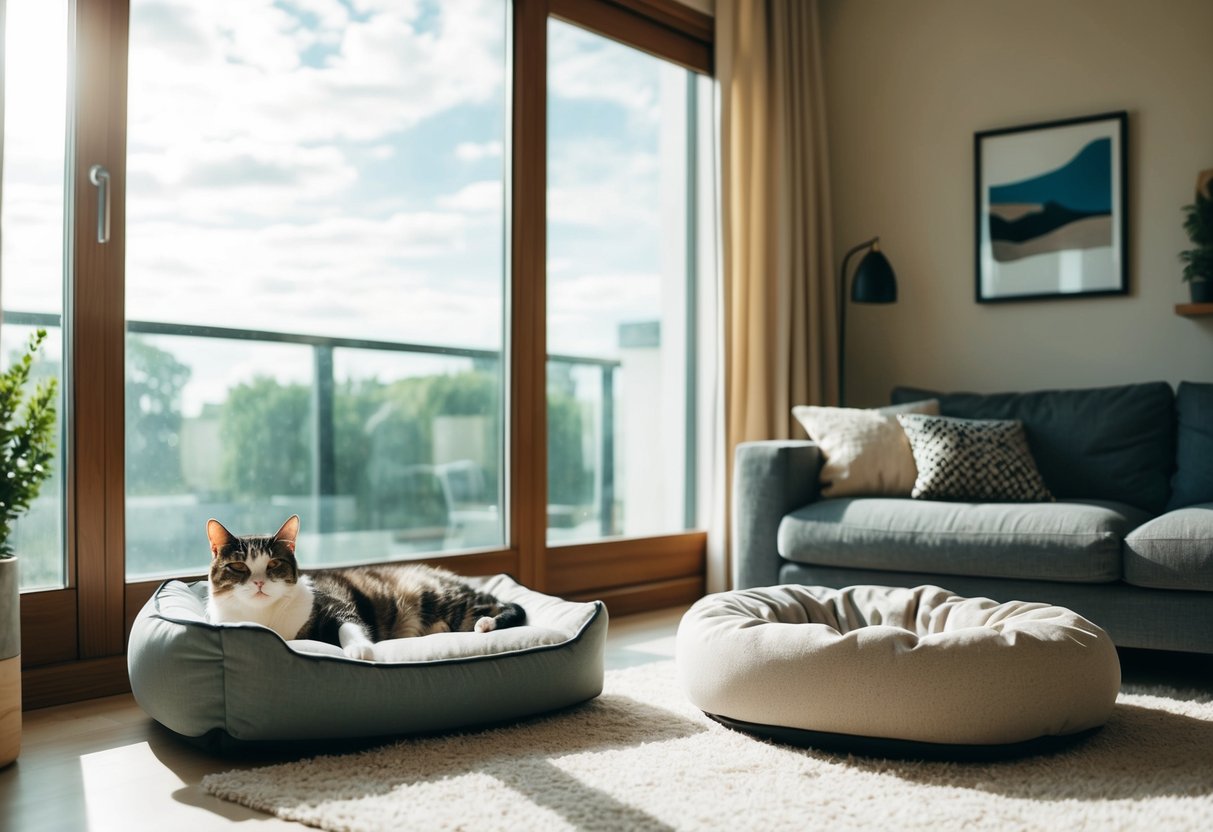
897,672
229,686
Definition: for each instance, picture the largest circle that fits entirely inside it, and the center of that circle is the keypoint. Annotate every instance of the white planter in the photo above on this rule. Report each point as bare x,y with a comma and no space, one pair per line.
10,662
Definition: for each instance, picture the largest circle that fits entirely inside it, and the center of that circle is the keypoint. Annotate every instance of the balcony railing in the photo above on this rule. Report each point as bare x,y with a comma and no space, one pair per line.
324,391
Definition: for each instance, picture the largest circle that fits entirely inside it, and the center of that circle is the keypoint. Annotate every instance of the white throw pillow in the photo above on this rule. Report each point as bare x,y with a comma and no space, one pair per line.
866,451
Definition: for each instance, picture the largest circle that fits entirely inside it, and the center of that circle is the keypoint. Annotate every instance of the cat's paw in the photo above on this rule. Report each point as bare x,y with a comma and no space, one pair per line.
365,652
486,625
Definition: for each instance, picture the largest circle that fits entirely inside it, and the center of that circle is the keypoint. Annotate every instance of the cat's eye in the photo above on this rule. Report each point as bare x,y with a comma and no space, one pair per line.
275,563
237,567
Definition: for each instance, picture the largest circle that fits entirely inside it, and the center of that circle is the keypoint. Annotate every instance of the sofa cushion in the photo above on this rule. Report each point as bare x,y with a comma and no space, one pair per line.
866,451
1066,541
972,459
1106,443
1173,551
1193,480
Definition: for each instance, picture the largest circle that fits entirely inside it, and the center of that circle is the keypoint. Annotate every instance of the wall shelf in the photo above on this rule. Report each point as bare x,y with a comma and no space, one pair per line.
1193,309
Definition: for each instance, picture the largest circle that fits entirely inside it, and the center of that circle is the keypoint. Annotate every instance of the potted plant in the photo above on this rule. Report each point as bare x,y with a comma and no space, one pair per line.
27,444
1198,261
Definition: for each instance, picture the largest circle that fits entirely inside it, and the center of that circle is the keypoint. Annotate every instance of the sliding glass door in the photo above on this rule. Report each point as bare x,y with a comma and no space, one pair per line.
35,207
623,142
315,240
424,273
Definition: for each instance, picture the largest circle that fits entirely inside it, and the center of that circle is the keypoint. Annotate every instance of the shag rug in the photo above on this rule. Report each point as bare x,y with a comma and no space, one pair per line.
640,757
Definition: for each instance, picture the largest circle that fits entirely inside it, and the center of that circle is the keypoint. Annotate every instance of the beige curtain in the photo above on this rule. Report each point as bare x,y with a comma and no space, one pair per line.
780,329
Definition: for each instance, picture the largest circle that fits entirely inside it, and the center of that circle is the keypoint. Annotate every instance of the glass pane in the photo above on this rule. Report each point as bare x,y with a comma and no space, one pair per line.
32,259
621,137
315,276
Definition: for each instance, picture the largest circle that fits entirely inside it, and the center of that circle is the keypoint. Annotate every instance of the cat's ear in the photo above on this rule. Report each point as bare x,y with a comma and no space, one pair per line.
289,531
218,536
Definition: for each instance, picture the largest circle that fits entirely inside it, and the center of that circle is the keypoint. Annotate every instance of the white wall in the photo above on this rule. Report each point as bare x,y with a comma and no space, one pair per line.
907,86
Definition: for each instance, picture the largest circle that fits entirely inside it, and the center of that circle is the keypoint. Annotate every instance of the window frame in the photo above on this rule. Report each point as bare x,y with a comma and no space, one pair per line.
74,638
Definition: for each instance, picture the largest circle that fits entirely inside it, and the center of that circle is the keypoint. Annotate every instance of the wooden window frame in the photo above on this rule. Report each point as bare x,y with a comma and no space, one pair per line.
74,639
663,29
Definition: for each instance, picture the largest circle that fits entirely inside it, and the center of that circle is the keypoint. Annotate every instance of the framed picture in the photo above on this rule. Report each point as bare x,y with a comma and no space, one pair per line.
1051,209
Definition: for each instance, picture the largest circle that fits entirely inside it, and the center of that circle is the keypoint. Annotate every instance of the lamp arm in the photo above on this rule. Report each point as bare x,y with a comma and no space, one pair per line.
842,314
856,249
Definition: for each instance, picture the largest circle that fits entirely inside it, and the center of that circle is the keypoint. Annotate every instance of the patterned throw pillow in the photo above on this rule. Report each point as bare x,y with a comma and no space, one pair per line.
972,459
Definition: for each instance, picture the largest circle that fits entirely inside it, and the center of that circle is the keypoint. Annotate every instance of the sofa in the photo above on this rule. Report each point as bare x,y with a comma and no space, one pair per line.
1126,541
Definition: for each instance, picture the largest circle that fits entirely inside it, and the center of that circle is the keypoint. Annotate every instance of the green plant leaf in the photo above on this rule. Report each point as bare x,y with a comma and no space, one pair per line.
27,439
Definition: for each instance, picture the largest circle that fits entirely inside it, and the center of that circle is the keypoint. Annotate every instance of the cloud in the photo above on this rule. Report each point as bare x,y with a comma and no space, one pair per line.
486,197
35,93
475,151
224,183
408,8
243,75
381,279
32,234
228,121
584,312
604,183
328,14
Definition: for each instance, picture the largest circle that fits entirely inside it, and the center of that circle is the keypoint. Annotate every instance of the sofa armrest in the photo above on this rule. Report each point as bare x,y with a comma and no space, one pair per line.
770,478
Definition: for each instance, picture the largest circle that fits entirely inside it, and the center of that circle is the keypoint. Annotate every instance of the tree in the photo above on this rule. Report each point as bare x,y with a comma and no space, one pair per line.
569,483
267,439
154,381
403,490
384,443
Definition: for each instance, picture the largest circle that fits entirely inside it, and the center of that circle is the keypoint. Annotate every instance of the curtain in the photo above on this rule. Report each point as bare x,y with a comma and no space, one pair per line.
778,293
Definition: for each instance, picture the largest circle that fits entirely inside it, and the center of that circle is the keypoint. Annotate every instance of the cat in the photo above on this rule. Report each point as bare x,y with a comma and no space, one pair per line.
257,578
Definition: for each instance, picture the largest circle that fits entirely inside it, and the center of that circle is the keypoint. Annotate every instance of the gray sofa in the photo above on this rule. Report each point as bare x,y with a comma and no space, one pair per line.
1128,542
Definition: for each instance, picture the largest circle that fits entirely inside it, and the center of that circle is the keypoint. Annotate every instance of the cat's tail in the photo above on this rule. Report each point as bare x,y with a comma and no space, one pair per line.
511,615
508,614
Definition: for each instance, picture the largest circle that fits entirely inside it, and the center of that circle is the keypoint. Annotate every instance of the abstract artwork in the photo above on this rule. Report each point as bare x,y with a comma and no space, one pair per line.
1051,209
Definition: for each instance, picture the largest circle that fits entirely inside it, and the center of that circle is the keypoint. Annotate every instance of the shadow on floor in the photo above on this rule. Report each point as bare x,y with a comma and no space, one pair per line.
1190,673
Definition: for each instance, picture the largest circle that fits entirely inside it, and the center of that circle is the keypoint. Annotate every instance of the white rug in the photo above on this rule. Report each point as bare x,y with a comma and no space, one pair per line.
641,758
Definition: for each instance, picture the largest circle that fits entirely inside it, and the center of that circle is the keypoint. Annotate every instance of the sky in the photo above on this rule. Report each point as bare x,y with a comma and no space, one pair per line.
335,167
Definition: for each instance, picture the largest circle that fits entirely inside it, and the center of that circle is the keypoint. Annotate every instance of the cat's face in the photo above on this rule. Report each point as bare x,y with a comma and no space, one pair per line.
254,569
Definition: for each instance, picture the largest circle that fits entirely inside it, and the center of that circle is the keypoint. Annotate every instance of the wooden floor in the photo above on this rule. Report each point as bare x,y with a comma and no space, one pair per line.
105,765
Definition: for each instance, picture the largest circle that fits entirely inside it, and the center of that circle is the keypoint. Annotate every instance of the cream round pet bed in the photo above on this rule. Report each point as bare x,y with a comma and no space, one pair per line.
897,672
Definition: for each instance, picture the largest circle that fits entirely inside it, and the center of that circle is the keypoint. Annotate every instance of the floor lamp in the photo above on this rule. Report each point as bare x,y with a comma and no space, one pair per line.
874,282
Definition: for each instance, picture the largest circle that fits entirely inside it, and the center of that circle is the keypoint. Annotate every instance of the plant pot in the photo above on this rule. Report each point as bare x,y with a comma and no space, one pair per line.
1201,290
10,662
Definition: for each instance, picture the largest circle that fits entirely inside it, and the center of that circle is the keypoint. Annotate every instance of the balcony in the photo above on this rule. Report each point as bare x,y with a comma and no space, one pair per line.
387,450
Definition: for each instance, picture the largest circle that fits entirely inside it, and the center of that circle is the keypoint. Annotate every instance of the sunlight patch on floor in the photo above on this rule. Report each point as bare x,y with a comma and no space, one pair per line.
662,647
114,781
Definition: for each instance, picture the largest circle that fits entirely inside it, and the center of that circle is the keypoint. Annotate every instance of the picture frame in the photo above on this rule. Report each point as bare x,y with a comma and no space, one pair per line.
1051,209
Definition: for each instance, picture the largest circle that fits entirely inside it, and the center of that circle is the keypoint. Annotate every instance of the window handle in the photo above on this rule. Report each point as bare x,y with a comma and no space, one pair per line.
100,177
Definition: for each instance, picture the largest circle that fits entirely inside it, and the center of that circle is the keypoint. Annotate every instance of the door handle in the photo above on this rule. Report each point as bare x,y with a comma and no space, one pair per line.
100,177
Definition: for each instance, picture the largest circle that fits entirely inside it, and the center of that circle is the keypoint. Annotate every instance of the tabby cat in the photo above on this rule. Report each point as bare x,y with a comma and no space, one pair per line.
256,578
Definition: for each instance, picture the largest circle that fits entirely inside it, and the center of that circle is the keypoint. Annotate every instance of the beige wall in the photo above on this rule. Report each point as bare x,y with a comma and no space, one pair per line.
908,84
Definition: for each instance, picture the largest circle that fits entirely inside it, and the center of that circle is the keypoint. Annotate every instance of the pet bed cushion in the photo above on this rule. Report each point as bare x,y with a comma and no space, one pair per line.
897,672
230,685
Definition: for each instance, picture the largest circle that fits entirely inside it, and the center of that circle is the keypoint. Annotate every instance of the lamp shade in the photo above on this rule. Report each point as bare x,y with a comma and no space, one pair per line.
874,280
